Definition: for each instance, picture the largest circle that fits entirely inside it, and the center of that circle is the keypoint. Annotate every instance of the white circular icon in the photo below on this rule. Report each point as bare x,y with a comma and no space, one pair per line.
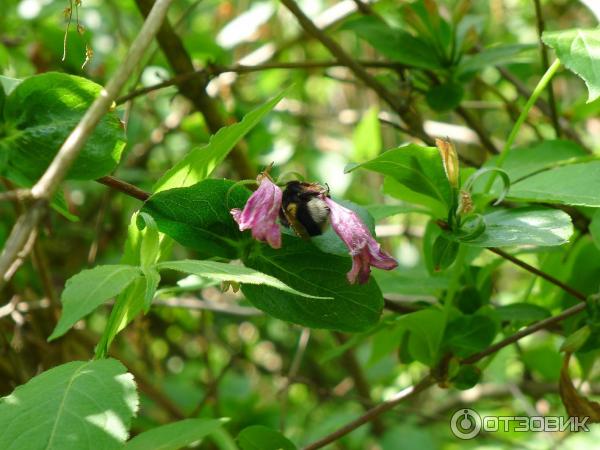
465,424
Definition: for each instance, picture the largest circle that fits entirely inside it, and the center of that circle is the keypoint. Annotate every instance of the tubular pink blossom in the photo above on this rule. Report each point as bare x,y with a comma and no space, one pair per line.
364,249
261,212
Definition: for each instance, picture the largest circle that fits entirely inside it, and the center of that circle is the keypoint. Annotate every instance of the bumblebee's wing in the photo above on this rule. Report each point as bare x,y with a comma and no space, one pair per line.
290,214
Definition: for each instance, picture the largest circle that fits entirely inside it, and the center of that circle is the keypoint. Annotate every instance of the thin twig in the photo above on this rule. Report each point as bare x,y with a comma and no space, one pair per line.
214,70
545,64
525,332
126,188
47,185
568,289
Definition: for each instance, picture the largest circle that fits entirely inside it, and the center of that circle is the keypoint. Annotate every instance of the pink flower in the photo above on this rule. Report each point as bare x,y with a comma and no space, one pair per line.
261,212
364,249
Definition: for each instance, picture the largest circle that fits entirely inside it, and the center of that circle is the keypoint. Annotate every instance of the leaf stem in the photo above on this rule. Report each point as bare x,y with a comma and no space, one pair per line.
524,113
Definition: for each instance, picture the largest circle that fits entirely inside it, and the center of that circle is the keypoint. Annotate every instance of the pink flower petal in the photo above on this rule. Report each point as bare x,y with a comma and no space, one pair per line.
261,212
363,248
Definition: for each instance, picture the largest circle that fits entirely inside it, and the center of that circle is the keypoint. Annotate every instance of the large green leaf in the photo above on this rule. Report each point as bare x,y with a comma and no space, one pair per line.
40,113
418,169
200,163
89,289
228,272
78,405
579,51
575,184
174,436
524,226
199,216
397,45
258,437
302,266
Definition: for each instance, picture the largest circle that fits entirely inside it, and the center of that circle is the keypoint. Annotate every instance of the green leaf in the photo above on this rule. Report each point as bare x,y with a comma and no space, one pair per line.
444,97
467,377
410,282
521,312
467,335
78,405
524,226
366,138
579,51
40,113
258,437
431,206
444,252
89,289
575,184
303,267
426,331
418,169
152,278
496,56
198,216
200,163
229,272
174,436
380,212
149,248
397,45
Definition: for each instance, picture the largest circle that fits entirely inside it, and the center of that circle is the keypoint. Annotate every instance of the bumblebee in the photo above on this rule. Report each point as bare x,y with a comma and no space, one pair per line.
303,209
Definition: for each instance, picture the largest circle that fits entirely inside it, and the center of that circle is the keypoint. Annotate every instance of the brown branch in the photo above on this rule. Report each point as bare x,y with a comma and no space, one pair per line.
525,332
213,70
47,185
408,113
126,188
544,56
194,89
374,412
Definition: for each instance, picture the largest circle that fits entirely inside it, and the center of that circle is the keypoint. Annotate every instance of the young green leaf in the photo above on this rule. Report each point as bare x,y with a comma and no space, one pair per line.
258,437
89,289
200,163
39,115
152,278
81,404
199,216
303,267
174,436
229,272
579,51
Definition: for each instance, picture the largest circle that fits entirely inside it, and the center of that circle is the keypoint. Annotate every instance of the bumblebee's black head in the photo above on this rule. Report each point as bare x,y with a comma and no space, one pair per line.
303,208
